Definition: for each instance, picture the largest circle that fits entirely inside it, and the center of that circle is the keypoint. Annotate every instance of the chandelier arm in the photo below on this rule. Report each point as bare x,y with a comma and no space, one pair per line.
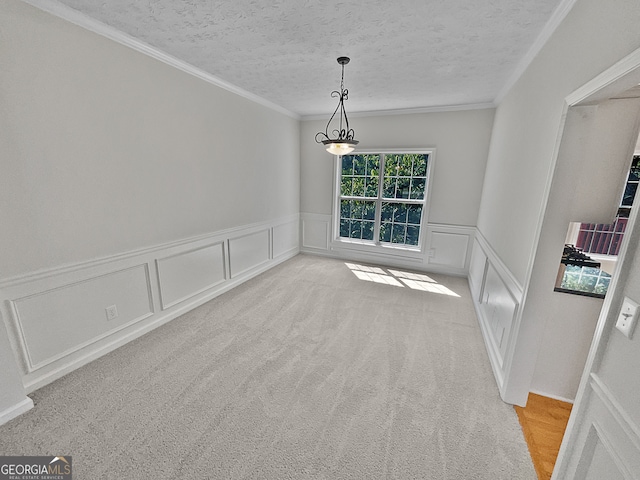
342,134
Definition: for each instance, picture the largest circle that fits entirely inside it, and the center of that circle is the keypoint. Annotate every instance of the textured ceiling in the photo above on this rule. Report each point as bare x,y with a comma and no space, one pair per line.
404,53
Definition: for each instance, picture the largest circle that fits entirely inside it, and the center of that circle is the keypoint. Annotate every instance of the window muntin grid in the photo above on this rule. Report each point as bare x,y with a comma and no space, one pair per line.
368,182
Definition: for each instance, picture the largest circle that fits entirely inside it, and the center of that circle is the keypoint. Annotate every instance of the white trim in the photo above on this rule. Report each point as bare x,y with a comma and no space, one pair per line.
500,267
600,87
550,27
407,111
71,267
158,262
80,19
16,410
31,366
616,410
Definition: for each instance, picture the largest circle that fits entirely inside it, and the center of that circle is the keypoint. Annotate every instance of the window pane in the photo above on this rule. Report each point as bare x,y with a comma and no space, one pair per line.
389,187
358,187
629,194
413,233
385,232
398,233
391,166
417,188
369,211
414,214
402,190
359,165
420,165
399,213
345,208
347,165
634,172
344,227
356,209
356,228
372,187
373,165
367,230
387,212
345,186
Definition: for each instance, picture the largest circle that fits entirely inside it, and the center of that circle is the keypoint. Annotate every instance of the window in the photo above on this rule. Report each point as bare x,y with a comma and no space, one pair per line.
606,239
582,274
381,198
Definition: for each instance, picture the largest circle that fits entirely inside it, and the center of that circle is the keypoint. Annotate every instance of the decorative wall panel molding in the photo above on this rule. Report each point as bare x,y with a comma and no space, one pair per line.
608,441
189,273
449,247
62,318
55,323
248,252
316,231
496,297
286,238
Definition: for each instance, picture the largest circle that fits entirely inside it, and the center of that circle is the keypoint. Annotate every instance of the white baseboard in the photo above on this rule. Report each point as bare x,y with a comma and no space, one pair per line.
16,410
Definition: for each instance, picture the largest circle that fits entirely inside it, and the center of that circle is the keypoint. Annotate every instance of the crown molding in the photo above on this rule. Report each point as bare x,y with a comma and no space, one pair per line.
408,111
64,12
554,22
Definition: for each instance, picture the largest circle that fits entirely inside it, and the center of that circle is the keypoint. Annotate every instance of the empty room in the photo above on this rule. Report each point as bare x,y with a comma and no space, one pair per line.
319,239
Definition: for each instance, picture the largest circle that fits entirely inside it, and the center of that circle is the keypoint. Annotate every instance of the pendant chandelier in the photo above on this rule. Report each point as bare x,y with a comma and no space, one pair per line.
342,142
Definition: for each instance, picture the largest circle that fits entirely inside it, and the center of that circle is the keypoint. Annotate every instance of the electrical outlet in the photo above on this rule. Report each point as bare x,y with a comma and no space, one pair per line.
628,317
112,312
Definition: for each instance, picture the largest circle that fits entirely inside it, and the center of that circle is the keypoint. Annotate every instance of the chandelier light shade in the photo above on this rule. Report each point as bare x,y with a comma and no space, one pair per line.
341,141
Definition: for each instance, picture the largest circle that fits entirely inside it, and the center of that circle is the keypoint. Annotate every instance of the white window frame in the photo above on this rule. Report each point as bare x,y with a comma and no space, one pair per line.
375,246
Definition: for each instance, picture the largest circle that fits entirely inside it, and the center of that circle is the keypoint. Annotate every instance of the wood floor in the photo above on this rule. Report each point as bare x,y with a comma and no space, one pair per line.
544,421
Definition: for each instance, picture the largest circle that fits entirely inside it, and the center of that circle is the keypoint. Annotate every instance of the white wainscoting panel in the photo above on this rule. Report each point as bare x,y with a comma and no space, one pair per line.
183,275
496,298
56,319
608,440
54,323
477,271
449,246
316,231
286,238
248,252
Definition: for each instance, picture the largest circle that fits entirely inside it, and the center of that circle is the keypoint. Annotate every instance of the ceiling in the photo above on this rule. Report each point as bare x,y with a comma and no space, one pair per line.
404,53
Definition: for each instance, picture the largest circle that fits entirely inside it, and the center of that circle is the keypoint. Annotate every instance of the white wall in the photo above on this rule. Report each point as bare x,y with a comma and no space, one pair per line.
126,181
106,150
461,140
593,36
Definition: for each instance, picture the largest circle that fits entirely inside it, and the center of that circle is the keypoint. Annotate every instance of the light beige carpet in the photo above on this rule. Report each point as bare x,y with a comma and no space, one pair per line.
307,371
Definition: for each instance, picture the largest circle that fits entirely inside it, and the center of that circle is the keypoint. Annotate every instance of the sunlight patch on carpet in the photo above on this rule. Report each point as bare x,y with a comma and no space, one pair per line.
415,281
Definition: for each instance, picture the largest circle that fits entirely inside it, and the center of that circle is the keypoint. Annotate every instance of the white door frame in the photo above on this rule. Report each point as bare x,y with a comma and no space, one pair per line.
620,77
